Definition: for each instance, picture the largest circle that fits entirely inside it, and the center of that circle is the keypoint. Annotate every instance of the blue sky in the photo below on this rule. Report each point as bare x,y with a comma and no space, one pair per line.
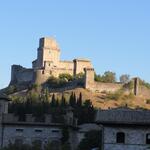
114,34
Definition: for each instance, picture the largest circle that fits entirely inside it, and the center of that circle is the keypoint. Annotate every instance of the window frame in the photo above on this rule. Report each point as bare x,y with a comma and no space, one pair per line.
148,139
120,138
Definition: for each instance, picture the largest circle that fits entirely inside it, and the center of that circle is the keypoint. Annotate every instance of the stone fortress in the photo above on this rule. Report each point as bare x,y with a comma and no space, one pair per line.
48,64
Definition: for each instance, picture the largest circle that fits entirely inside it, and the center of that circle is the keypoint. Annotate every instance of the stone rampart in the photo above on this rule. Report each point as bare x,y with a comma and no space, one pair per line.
108,87
21,75
94,86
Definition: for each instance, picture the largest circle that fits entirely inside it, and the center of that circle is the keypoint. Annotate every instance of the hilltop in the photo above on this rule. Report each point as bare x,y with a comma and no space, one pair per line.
77,76
103,100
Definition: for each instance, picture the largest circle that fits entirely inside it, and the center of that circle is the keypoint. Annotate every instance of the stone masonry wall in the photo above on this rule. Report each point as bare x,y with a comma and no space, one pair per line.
94,86
30,133
80,65
109,87
66,65
135,138
20,74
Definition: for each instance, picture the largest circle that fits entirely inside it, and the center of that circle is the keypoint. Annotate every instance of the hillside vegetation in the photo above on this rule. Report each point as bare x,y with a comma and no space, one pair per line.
103,100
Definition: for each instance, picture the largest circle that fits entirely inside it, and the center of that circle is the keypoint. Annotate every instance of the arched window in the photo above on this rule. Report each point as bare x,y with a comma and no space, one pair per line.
148,138
120,137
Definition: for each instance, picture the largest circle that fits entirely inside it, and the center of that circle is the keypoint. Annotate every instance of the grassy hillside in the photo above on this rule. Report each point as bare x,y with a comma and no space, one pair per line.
101,100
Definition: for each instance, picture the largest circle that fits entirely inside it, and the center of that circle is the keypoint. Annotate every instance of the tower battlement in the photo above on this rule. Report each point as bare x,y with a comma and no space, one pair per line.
48,42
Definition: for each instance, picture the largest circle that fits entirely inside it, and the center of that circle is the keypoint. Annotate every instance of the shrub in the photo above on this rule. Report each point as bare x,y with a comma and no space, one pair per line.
98,78
124,78
115,96
129,96
80,75
144,83
107,77
147,101
128,85
11,89
66,77
93,139
59,82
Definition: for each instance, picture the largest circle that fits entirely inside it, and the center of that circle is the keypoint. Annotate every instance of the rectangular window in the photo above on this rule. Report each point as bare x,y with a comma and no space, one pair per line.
38,130
148,138
120,137
55,131
19,130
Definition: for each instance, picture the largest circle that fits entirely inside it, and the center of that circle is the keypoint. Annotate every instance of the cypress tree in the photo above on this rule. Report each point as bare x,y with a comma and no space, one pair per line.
63,101
53,101
79,101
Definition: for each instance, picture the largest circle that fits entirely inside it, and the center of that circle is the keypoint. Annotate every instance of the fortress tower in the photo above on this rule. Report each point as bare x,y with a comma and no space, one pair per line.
48,51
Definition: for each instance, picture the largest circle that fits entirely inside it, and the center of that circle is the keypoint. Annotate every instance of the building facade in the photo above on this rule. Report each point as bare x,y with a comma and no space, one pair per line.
121,128
125,129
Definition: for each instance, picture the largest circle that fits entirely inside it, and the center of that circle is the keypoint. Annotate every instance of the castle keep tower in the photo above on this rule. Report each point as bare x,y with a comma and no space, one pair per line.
48,51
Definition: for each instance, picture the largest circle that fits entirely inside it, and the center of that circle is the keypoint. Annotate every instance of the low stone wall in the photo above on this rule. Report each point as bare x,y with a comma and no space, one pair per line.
108,87
69,86
103,87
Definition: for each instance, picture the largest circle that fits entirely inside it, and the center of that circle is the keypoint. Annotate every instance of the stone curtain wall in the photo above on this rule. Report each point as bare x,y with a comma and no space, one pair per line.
108,87
94,86
20,75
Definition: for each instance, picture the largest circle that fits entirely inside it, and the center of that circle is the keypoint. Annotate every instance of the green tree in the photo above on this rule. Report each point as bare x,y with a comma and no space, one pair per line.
79,100
53,101
98,78
72,100
144,83
124,78
109,77
63,101
11,89
53,82
79,75
66,77
93,139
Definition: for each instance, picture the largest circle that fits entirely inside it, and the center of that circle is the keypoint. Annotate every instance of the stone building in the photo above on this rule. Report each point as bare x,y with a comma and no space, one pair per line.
29,131
47,64
125,129
121,128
